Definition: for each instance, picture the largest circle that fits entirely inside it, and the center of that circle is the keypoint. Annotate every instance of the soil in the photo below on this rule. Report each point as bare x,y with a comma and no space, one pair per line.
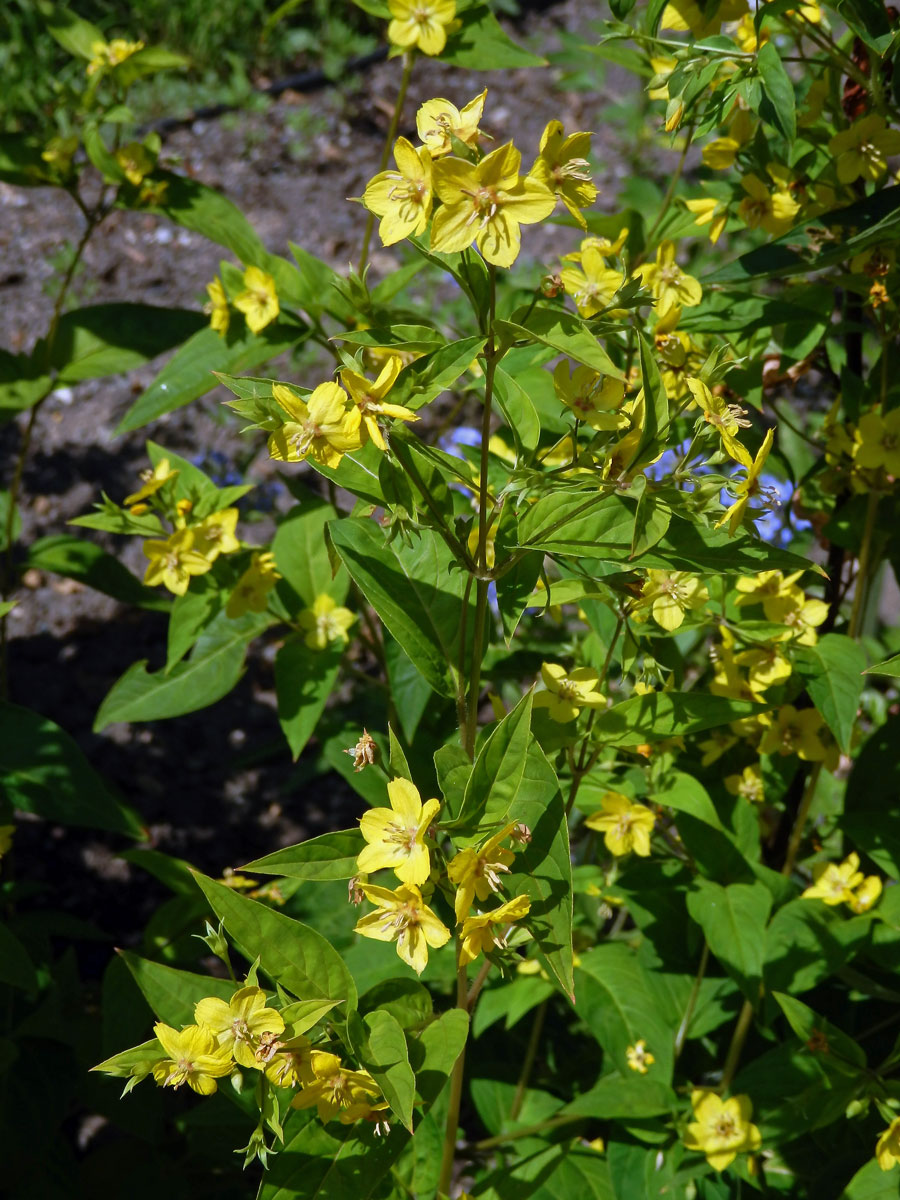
216,787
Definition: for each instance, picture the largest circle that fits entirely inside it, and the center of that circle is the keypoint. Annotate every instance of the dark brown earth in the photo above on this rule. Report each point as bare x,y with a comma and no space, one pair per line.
216,787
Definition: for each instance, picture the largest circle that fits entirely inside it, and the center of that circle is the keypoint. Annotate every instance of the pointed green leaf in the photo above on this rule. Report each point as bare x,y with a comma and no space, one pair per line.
171,993
733,919
304,679
833,670
329,856
498,771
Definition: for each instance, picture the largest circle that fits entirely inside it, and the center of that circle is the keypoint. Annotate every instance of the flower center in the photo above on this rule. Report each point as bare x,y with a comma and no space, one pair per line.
725,1126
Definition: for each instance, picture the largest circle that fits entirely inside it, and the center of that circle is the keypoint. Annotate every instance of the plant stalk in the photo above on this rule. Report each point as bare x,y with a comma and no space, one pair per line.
408,59
448,1153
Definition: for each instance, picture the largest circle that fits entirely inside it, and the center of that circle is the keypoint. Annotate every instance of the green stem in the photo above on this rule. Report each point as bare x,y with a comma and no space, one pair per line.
670,190
796,837
527,1065
529,1131
448,1153
741,1030
408,59
685,1025
857,613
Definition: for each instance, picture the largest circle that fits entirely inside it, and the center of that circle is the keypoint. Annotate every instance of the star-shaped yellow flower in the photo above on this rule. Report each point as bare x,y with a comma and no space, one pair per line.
321,428
562,166
749,784
711,212
238,1024
835,883
174,561
153,481
795,731
217,308
421,23
625,825
877,442
887,1148
477,872
862,150
259,300
325,622
594,398
486,203
747,489
251,592
396,835
110,54
403,917
215,535
670,595
402,198
480,934
727,419
639,1057
369,396
592,284
193,1056
721,1129
774,211
666,280
333,1087
438,119
568,692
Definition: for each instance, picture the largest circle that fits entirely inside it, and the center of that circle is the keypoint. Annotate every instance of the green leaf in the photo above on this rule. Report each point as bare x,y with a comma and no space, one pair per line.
651,523
171,993
110,339
871,818
733,920
71,31
482,45
871,1183
204,210
21,163
563,332
410,692
74,558
215,666
833,671
398,767
563,1172
190,615
686,794
381,1045
301,550
498,770
189,373
148,61
613,1097
779,91
518,410
889,666
304,679
123,1065
429,377
543,869
656,412
329,856
616,1001
406,999
290,953
806,943
45,773
667,714
453,768
805,1022
414,592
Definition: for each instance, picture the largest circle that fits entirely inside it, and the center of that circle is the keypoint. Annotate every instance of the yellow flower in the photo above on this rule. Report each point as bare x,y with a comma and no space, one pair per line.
593,284
719,154
238,1024
479,935
325,623
717,743
193,1057
866,895
437,120
174,561
639,1058
721,1129
748,784
835,882
421,23
59,153
321,428
594,398
402,198
486,203
862,150
110,54
403,917
768,588
251,592
214,535
625,825
568,693
259,301
725,418
799,614
666,280
135,161
217,308
688,15
285,1063
795,731
672,594
774,211
746,36
708,211
396,835
747,489
877,442
477,872
767,666
562,166
153,481
332,1087
887,1148
369,398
